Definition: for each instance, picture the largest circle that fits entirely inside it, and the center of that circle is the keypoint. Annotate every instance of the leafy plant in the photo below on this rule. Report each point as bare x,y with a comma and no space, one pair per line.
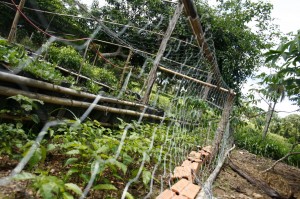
50,187
26,106
12,138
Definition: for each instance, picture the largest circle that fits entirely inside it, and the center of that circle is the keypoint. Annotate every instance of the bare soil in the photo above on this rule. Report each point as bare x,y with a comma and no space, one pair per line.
283,178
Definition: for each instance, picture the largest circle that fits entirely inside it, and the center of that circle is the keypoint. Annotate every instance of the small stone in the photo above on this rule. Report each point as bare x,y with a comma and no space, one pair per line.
257,196
52,170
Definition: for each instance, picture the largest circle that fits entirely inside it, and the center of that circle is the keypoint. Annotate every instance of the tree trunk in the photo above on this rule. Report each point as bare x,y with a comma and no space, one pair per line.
268,120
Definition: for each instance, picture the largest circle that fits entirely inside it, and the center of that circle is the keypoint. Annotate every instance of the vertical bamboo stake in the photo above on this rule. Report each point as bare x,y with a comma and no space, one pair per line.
206,90
159,55
222,124
13,29
96,57
125,68
85,52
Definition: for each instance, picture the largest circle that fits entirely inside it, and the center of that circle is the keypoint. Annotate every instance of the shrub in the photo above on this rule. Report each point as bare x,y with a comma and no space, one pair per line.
99,74
65,56
274,146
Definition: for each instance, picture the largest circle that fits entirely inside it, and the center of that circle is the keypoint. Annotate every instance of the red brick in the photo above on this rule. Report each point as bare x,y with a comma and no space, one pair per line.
195,166
195,159
190,191
179,197
186,163
182,172
192,154
207,149
166,194
180,185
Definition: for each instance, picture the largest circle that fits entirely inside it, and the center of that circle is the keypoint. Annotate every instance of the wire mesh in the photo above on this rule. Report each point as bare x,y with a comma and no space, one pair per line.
135,155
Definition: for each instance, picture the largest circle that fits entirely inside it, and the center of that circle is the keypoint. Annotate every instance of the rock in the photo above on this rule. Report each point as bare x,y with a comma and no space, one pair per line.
256,195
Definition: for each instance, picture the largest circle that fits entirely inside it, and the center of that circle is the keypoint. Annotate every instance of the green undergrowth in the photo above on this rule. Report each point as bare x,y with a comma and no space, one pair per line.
62,164
17,59
274,146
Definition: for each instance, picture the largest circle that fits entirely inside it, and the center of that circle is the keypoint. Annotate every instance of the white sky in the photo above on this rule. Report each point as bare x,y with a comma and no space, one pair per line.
287,16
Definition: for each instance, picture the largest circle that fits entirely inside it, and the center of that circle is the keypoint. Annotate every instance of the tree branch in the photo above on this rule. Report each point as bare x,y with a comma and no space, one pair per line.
283,158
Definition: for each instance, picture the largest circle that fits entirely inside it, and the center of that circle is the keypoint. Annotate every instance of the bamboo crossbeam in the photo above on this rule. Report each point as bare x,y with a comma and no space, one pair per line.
193,79
8,77
6,91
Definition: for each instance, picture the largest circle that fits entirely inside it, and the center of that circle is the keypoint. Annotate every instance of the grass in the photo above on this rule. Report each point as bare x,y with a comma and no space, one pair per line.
274,146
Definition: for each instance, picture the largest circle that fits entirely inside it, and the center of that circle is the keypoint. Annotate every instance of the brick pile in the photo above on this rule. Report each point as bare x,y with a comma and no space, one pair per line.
185,188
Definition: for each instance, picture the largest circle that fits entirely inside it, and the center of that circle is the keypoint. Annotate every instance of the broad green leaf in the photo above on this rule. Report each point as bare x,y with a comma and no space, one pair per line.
73,187
51,147
146,177
24,176
71,171
73,152
129,196
67,196
105,187
71,161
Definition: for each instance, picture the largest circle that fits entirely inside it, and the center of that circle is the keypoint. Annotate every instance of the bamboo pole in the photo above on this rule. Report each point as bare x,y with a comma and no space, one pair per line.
83,60
193,79
8,77
6,91
124,69
152,75
14,25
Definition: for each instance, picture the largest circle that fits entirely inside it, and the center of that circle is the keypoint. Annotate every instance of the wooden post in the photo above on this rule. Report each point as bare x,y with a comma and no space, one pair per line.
206,90
85,52
13,29
222,124
96,57
125,68
162,48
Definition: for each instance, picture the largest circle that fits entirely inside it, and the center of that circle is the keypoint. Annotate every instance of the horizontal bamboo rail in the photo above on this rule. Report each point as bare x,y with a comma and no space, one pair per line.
193,79
8,77
6,91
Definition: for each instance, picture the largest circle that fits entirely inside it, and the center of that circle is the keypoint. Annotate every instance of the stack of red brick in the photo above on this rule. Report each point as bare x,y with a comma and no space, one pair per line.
186,173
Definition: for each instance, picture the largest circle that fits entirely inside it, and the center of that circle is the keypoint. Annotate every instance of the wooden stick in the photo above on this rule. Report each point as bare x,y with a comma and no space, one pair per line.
193,79
284,157
8,77
152,74
260,184
213,176
74,103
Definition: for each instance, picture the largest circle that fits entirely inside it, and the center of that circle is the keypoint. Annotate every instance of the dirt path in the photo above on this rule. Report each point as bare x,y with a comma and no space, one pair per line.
284,179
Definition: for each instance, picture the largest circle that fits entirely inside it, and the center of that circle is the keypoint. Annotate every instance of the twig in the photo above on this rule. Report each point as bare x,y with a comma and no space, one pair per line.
283,158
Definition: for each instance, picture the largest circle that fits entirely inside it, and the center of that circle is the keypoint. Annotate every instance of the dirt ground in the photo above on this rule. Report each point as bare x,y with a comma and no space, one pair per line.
283,178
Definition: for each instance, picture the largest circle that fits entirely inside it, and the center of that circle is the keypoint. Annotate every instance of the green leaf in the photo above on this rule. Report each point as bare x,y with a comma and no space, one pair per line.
73,152
105,187
129,196
51,147
71,171
73,187
66,195
146,177
24,176
70,161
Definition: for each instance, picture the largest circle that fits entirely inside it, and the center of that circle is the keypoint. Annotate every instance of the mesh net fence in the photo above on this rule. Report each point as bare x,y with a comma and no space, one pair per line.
77,100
